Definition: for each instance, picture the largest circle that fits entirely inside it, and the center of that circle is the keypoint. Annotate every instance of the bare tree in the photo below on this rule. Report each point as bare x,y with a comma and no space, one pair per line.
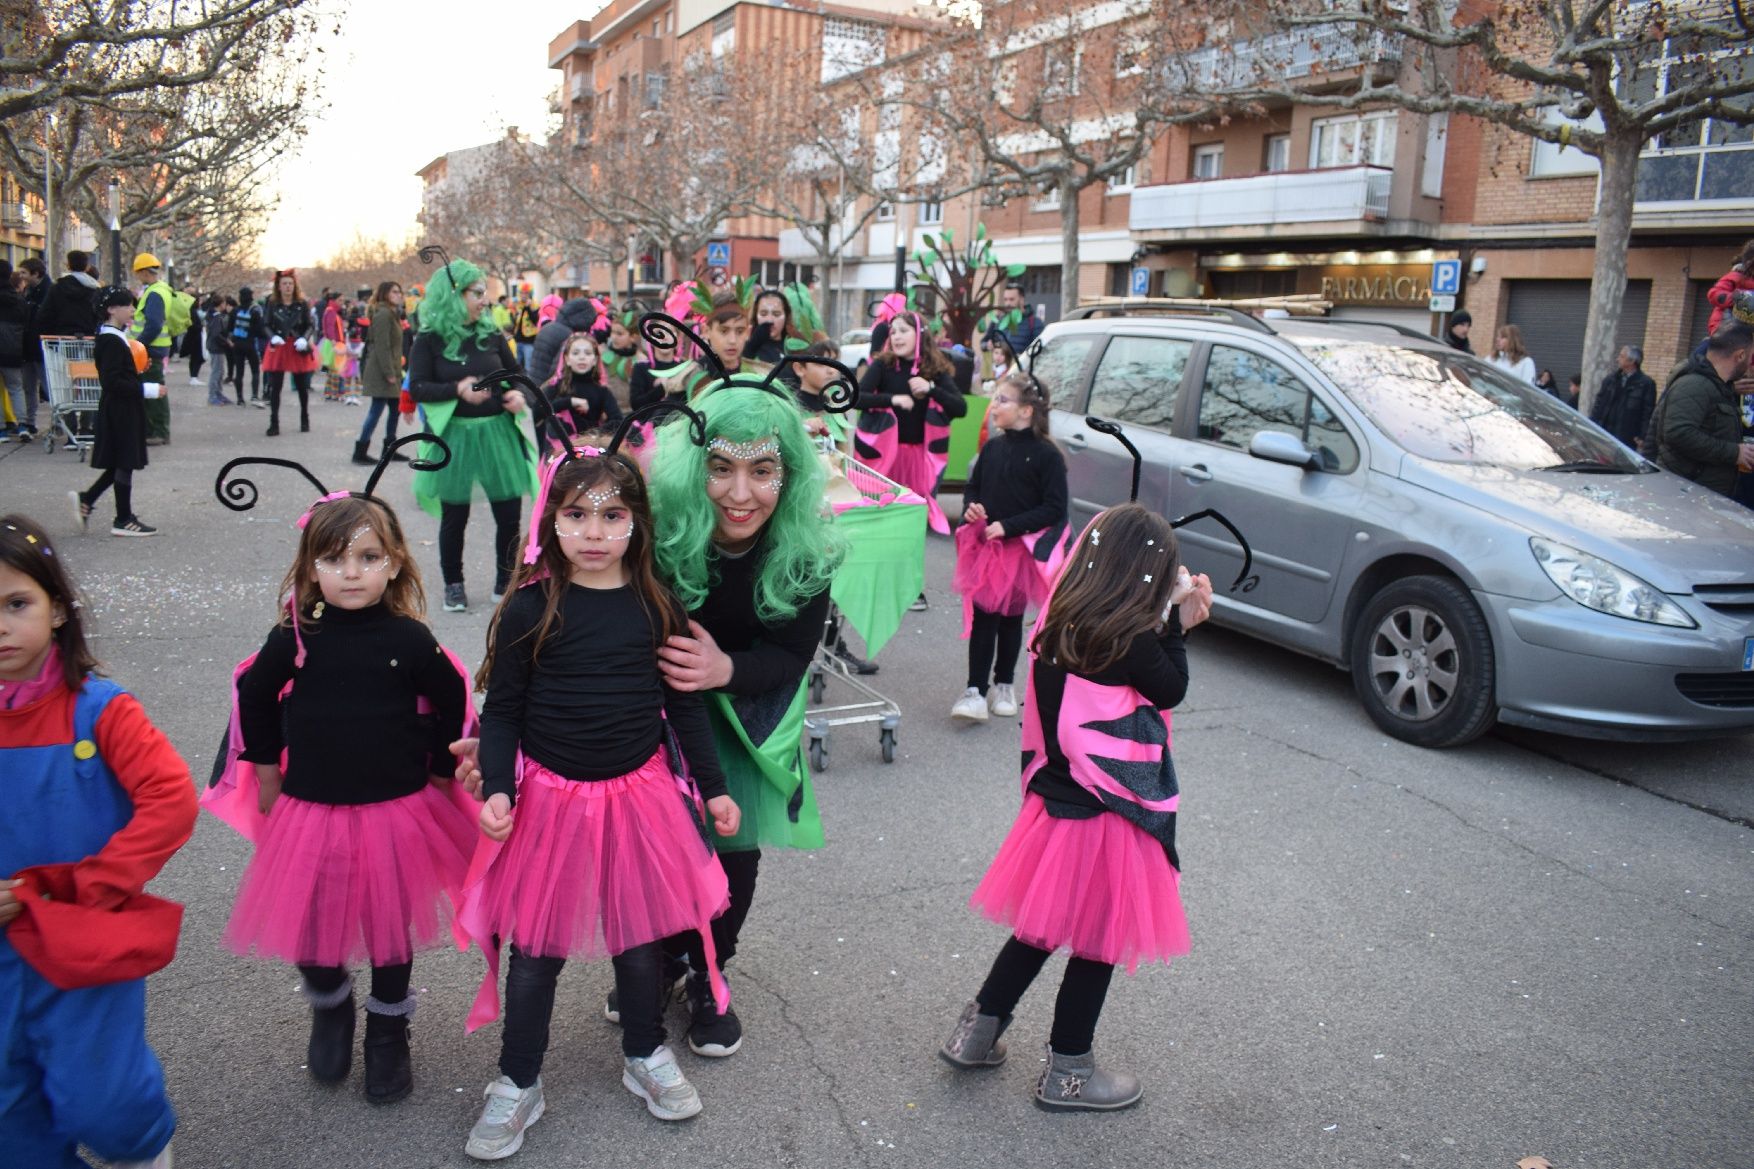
476,212
1602,76
1053,98
58,51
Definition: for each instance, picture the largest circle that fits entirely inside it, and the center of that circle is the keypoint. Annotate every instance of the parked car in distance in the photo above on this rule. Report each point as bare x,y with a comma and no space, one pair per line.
855,349
1472,550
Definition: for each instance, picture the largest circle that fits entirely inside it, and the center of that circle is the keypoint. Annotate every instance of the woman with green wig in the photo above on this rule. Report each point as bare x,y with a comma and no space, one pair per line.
743,540
458,346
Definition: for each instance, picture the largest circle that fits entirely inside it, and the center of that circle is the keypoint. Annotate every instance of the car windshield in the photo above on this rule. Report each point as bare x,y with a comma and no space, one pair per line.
1454,408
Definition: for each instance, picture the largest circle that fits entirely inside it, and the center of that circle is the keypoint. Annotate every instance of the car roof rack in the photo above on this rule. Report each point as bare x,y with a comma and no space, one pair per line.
1239,312
1401,329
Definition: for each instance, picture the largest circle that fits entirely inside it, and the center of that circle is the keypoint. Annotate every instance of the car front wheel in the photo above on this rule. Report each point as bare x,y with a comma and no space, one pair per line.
1422,663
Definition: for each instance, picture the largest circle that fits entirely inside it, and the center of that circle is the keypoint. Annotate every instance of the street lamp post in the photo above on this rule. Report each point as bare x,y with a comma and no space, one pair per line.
115,230
48,188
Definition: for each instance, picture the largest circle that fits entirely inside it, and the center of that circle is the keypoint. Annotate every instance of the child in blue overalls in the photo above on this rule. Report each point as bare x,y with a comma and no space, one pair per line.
104,800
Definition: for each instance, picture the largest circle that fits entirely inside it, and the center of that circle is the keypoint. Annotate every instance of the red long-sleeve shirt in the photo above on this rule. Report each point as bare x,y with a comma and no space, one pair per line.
150,771
1721,293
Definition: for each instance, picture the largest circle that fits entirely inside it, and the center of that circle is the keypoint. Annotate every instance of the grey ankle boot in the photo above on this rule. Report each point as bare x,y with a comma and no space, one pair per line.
975,1043
1073,1081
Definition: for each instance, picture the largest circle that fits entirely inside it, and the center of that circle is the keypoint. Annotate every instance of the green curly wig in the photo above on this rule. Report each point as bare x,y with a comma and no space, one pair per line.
442,311
803,546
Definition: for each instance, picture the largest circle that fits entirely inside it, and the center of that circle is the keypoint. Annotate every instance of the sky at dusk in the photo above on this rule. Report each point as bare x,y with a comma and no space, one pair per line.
404,84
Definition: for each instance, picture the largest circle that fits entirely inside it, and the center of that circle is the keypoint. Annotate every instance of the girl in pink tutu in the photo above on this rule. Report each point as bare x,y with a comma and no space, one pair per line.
1016,491
602,853
907,401
340,775
1090,863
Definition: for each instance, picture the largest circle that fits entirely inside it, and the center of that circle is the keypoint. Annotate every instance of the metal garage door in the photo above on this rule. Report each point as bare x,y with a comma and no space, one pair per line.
1552,315
1701,313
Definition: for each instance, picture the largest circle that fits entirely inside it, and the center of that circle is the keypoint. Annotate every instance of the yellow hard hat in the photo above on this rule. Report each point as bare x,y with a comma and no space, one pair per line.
146,260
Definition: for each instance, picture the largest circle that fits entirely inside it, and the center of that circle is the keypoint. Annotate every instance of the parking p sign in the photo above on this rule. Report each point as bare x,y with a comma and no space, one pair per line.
1446,277
1140,285
718,255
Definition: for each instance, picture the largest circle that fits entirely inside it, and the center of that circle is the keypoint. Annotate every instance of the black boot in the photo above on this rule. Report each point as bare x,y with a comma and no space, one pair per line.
304,421
854,662
389,1068
360,457
330,1056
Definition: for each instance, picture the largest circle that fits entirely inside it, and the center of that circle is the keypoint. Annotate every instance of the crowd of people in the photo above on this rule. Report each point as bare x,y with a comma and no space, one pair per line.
656,612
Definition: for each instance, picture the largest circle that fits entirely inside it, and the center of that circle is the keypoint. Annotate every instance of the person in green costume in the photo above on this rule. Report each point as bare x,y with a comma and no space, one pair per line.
751,556
458,346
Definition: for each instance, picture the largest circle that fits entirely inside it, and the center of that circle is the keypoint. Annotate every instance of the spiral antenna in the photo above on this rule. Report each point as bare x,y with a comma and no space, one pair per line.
421,464
240,494
539,404
696,423
663,331
1104,426
1218,517
838,396
432,252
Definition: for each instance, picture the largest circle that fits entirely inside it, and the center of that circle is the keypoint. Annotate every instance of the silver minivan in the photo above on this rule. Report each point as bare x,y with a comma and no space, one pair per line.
1471,549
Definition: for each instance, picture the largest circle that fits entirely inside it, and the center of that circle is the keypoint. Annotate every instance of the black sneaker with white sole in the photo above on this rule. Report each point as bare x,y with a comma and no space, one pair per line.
711,1033
456,600
132,526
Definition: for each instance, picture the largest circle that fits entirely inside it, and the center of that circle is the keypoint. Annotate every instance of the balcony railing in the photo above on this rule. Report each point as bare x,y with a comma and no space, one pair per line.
1300,53
1310,196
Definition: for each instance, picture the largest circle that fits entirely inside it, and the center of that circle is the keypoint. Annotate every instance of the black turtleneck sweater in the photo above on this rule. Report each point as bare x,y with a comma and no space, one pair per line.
763,657
350,727
603,412
883,380
592,704
1021,481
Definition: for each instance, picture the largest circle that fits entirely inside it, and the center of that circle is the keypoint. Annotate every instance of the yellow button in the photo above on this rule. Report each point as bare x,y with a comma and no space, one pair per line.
84,749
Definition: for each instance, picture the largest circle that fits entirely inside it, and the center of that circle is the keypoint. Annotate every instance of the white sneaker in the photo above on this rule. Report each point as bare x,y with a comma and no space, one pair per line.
509,1113
658,1081
971,707
1002,701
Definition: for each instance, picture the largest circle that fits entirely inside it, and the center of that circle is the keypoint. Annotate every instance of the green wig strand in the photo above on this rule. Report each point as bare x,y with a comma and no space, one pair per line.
442,311
803,546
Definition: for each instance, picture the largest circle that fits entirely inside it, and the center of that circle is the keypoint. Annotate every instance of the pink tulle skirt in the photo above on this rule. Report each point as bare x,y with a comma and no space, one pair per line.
1102,888
331,884
593,869
995,576
914,468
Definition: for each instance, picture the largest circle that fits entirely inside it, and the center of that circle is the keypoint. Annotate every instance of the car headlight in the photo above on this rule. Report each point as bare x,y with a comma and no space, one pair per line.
1599,585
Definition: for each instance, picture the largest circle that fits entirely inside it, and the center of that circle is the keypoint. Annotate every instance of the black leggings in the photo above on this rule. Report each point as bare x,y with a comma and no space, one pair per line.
529,1005
389,983
301,385
993,633
741,869
454,519
234,369
1077,1007
123,480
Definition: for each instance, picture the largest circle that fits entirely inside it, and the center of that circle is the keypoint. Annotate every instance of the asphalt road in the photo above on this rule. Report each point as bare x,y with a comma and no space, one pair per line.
1530,946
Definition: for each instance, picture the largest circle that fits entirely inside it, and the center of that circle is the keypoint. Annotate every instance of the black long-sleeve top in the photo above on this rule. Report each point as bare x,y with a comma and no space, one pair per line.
592,705
764,347
350,727
1155,665
603,410
290,321
763,657
1021,480
643,389
433,377
883,380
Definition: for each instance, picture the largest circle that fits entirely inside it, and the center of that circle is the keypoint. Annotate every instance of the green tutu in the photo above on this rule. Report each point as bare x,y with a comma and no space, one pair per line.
760,742
490,453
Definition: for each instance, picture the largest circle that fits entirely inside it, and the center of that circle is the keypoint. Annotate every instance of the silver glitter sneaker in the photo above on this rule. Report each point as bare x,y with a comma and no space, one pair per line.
658,1081
509,1113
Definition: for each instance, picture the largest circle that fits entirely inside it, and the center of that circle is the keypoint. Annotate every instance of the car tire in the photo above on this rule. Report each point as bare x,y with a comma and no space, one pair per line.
1441,691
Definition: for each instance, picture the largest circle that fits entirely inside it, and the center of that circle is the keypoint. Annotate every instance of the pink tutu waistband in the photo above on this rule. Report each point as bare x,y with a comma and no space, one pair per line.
995,576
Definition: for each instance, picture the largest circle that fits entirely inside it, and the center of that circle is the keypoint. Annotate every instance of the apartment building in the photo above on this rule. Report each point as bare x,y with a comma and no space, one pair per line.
21,222
627,58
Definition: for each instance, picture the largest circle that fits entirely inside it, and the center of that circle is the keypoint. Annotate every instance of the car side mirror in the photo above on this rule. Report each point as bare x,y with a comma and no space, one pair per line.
1277,447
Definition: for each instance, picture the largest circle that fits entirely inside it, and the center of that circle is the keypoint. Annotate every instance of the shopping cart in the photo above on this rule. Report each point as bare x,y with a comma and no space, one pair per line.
70,372
885,527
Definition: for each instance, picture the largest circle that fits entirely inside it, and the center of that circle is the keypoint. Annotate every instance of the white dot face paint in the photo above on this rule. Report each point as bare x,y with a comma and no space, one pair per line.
357,577
744,481
598,513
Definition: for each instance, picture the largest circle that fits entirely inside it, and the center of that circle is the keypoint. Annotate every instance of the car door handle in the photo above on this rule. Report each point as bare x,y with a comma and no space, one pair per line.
1194,472
1077,442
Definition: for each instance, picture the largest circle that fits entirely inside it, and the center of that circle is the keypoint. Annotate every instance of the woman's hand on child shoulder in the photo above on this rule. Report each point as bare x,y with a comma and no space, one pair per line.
496,817
694,662
727,816
11,907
